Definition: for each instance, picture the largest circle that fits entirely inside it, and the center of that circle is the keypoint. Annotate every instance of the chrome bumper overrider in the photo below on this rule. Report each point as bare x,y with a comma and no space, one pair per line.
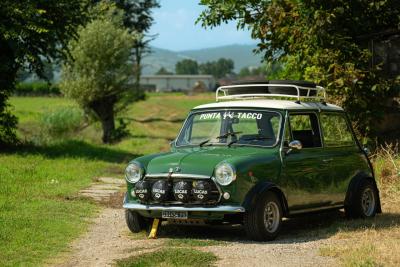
221,208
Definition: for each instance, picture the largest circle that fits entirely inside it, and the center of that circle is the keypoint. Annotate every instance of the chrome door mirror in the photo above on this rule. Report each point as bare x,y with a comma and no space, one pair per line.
294,145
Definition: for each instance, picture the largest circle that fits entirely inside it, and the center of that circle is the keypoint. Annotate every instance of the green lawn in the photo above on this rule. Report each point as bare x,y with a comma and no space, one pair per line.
40,212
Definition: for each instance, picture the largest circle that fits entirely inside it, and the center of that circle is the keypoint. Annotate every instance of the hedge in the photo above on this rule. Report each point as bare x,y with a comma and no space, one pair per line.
36,89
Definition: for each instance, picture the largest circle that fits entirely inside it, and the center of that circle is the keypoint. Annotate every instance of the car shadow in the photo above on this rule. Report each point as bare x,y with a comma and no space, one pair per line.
72,149
306,228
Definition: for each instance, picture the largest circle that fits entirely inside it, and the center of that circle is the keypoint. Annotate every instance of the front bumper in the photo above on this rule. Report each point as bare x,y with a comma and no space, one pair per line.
219,209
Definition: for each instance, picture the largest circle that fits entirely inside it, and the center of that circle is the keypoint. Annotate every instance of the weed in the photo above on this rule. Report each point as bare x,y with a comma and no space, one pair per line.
170,257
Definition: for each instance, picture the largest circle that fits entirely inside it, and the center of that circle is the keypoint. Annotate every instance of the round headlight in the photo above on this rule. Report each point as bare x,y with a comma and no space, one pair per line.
133,172
225,174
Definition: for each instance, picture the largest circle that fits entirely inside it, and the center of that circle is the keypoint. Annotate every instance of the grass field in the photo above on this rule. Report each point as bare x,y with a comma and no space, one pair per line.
39,209
40,212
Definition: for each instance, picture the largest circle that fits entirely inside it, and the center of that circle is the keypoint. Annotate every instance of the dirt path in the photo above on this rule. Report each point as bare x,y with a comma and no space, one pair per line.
108,240
272,254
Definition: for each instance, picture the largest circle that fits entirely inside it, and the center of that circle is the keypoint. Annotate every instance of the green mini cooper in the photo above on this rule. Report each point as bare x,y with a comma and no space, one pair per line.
263,151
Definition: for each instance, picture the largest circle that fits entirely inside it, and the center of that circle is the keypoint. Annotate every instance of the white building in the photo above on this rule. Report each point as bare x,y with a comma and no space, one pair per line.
168,83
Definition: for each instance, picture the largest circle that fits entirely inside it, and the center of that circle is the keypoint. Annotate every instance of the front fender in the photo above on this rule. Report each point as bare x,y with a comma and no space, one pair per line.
261,188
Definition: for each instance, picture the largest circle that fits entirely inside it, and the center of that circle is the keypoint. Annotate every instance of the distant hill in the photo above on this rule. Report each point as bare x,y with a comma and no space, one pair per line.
242,55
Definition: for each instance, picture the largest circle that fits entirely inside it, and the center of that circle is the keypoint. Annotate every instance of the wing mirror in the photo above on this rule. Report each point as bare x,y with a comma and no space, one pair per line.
294,145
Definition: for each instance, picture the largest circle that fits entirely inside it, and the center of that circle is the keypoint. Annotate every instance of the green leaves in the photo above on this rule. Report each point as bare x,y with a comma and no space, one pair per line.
321,41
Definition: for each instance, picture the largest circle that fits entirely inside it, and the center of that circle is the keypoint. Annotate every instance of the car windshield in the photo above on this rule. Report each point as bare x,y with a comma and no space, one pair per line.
230,127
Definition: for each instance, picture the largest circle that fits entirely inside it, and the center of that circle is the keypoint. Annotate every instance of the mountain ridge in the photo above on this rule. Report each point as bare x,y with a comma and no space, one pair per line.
242,55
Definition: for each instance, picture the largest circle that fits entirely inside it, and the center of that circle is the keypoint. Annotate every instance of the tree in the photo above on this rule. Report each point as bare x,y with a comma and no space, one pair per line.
244,72
320,41
187,66
97,77
270,71
138,18
30,33
163,71
219,69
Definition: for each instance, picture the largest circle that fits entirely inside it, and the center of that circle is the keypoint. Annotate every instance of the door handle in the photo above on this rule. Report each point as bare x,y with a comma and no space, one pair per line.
327,160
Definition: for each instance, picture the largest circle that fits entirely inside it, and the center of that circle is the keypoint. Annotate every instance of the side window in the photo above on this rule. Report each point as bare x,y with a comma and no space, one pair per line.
305,129
336,130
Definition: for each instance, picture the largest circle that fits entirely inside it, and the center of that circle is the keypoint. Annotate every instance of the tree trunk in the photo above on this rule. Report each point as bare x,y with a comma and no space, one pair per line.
104,109
8,71
138,67
108,128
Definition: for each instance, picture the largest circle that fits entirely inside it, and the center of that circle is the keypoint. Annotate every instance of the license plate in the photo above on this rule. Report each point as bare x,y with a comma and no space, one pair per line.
166,214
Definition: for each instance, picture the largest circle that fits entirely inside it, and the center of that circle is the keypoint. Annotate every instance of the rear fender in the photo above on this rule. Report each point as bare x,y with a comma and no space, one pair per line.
355,183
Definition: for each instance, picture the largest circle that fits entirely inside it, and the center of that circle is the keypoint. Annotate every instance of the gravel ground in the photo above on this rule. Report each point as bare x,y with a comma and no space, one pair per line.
108,240
271,254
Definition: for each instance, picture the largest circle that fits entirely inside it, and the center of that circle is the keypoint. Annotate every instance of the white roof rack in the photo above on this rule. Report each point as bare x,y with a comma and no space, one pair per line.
271,91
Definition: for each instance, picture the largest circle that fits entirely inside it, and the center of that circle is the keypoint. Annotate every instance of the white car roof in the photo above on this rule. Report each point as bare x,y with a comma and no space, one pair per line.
271,104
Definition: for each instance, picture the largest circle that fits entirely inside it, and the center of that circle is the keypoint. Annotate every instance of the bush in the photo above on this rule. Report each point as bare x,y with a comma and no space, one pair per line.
36,89
61,122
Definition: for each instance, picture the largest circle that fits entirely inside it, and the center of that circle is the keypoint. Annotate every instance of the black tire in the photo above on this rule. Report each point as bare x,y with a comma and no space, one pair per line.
256,224
136,223
364,201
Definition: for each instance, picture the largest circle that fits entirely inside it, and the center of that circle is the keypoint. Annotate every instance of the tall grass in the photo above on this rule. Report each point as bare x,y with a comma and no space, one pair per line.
386,161
62,121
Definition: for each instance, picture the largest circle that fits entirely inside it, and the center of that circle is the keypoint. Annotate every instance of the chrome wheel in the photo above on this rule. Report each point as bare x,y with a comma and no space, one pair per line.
271,217
368,202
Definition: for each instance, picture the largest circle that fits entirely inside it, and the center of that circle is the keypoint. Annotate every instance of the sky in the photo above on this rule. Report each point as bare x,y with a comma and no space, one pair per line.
174,22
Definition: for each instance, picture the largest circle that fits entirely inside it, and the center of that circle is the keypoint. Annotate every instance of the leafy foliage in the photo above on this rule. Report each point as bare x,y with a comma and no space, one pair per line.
37,29
219,69
163,71
138,18
36,89
187,66
98,76
137,14
320,41
32,32
270,70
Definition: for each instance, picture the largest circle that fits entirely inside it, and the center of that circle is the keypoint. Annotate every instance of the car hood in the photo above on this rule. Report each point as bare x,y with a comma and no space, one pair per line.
202,161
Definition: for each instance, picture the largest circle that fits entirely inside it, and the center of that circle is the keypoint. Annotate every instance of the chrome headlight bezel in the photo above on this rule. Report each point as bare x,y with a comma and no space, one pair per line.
225,174
134,172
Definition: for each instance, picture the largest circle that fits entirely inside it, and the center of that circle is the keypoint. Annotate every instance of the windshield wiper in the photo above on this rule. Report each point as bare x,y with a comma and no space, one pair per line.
228,134
232,142
204,142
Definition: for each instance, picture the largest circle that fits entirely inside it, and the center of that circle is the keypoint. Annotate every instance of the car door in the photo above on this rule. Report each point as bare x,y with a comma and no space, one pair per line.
343,154
305,173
